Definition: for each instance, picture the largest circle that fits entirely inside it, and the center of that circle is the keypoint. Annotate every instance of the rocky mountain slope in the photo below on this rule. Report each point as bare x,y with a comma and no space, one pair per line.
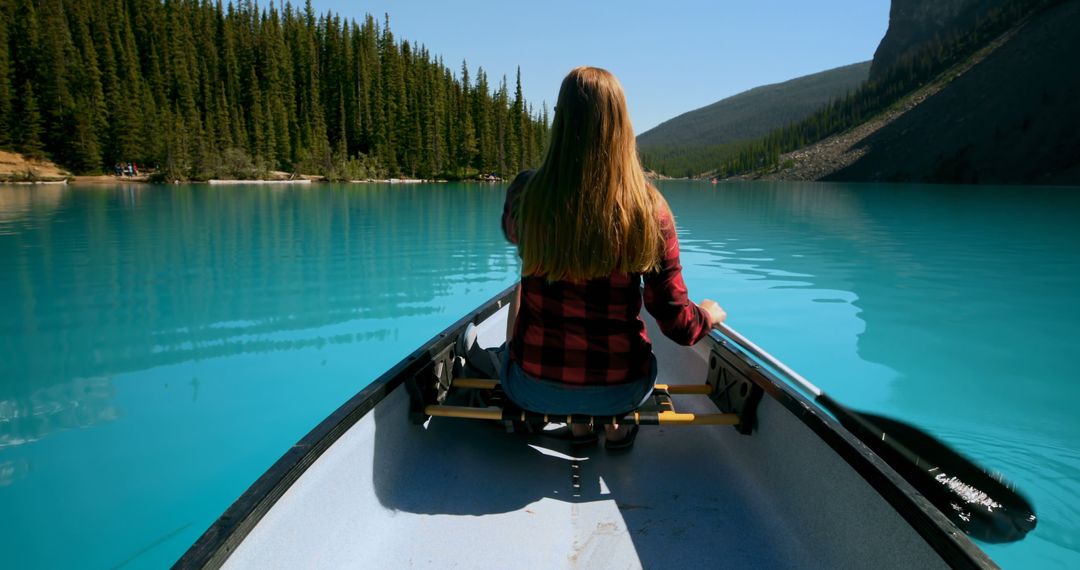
1008,115
914,22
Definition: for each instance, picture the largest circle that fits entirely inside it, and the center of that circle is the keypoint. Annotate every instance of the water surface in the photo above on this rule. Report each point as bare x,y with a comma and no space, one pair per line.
160,347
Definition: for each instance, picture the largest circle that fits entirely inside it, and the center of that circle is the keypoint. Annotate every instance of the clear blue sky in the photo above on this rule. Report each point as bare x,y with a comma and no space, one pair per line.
671,56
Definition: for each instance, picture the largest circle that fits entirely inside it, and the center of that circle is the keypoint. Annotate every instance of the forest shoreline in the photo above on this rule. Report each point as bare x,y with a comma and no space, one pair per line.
206,91
16,169
109,179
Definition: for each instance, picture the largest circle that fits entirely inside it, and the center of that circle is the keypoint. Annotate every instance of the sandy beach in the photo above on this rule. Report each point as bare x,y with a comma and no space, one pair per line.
15,168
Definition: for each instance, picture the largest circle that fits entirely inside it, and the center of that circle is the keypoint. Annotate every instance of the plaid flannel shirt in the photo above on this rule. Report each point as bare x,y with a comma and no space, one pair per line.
591,333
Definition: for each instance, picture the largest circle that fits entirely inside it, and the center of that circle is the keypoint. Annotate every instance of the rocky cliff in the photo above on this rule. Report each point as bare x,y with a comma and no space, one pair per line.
1014,118
1010,114
915,22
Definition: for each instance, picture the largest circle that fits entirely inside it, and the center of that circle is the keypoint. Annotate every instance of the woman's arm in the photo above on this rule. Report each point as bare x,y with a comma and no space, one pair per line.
511,315
666,297
510,231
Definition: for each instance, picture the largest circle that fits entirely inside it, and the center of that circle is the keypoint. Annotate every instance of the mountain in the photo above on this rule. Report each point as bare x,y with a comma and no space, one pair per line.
1005,112
913,23
1011,119
754,113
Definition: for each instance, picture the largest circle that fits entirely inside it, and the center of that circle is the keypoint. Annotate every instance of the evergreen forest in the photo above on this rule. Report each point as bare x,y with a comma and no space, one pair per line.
202,90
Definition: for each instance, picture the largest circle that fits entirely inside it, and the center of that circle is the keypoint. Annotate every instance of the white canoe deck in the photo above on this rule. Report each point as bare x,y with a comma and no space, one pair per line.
463,493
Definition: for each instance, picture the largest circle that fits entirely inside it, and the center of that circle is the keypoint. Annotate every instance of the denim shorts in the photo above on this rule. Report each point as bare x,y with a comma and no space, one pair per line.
558,398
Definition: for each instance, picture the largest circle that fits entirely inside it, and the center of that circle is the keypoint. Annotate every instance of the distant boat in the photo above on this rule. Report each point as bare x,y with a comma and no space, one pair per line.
386,481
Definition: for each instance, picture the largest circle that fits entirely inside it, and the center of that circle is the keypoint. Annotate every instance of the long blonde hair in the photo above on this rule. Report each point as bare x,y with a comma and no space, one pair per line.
588,211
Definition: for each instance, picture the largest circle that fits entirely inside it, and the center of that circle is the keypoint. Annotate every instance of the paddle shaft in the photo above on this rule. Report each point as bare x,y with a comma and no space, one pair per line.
845,415
848,418
759,352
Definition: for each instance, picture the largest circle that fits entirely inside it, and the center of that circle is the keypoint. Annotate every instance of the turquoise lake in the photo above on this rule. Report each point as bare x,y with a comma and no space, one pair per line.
161,346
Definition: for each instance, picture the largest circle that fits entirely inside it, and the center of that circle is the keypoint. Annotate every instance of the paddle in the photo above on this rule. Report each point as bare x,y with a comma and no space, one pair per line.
979,504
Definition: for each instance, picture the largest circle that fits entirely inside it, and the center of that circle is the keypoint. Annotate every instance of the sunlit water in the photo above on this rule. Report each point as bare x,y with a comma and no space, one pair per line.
160,347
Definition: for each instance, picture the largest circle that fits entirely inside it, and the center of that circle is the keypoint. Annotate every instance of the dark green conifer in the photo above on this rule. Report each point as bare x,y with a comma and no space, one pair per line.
29,138
7,97
467,147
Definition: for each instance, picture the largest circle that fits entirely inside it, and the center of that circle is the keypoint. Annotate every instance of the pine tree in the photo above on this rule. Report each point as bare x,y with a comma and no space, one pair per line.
467,147
25,43
89,105
392,87
29,139
507,155
6,95
56,56
485,132
520,124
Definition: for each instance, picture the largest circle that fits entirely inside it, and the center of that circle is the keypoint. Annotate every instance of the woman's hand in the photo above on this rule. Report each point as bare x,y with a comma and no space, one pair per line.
716,314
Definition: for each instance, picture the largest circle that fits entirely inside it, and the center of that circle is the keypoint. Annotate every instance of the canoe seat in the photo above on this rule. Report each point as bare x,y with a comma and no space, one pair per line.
660,410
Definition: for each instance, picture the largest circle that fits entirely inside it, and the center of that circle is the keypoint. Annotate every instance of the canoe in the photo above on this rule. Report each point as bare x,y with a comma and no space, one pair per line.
387,481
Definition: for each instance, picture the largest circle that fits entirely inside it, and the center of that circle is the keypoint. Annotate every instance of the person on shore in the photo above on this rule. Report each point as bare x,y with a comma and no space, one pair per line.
590,229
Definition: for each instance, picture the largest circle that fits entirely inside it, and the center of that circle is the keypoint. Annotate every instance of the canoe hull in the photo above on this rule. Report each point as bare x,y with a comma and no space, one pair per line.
369,486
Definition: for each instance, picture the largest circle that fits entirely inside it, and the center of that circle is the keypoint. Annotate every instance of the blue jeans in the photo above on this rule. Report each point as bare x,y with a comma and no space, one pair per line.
557,398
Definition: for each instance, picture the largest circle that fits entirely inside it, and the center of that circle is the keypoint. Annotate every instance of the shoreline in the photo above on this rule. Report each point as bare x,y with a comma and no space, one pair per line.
227,182
15,169
61,182
108,179
303,179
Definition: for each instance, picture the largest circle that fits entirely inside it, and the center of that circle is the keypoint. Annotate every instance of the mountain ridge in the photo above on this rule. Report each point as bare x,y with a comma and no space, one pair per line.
815,88
915,22
1006,115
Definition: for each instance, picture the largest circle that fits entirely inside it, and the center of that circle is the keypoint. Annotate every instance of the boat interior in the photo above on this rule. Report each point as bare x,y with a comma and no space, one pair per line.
452,492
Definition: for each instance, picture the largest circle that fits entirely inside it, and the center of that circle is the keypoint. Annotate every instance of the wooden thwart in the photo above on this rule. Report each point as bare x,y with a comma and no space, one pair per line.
662,418
664,412
489,384
464,412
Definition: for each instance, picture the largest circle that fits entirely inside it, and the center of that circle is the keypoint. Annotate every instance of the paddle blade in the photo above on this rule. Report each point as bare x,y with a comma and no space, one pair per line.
981,505
985,507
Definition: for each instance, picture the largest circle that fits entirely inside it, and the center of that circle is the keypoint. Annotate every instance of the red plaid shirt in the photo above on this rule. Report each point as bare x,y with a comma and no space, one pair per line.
591,332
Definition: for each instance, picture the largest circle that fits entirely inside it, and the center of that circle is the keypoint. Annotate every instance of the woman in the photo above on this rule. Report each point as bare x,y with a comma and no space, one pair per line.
589,229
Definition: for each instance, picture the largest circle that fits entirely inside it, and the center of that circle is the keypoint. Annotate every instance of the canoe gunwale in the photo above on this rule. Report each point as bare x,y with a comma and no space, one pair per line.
955,547
218,542
229,530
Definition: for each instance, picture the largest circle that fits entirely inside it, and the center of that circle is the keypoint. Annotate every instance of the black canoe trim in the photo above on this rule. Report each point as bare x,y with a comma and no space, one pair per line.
955,547
228,531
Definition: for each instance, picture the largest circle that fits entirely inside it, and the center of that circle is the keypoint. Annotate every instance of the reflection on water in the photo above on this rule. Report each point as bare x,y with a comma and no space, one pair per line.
12,470
196,332
21,202
117,283
200,331
80,403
